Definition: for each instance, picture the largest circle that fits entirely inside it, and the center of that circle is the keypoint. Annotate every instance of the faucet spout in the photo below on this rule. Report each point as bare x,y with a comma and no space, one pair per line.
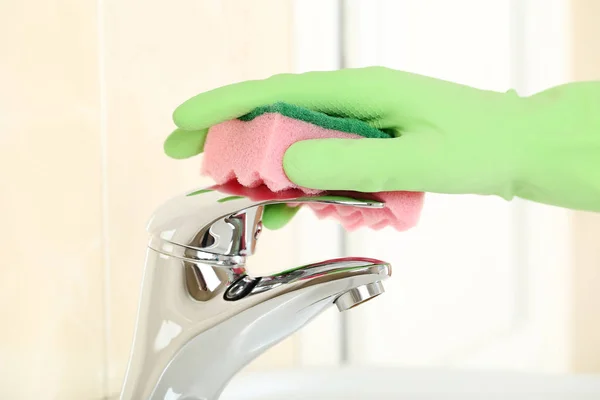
202,316
359,295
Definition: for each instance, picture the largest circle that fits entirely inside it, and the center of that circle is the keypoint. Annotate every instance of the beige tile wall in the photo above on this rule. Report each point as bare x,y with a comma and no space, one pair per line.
51,273
585,281
156,57
59,197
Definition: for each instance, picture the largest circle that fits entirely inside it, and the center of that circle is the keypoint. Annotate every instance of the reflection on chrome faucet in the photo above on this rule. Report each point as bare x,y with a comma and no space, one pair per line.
202,317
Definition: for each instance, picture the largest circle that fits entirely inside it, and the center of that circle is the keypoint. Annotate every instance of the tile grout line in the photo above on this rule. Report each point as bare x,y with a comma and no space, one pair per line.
104,193
343,238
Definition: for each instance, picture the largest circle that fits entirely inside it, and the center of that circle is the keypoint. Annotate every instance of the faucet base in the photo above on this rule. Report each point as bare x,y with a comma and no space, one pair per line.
202,315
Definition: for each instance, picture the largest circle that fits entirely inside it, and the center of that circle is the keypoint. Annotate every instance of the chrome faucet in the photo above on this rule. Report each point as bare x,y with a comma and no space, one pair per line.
202,316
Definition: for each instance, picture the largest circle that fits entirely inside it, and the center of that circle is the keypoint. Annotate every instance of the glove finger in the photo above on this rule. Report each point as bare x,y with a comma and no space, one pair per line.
367,165
276,216
182,144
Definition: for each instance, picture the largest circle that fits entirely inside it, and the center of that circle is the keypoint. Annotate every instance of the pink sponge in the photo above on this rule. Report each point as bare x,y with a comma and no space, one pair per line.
251,152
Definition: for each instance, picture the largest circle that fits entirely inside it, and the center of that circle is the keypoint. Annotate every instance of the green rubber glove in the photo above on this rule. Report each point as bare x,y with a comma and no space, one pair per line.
450,138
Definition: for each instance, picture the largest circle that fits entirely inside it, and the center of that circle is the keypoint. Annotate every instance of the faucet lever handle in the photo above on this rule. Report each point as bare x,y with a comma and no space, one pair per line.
335,199
220,225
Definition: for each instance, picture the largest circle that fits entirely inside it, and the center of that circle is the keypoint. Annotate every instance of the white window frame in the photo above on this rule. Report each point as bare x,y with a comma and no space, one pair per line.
540,54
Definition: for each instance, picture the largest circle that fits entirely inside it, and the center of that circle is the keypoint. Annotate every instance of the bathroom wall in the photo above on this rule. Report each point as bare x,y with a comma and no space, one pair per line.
173,53
87,91
585,282
52,270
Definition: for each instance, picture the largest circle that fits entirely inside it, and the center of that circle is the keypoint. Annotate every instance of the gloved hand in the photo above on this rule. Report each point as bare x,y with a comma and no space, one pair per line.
450,138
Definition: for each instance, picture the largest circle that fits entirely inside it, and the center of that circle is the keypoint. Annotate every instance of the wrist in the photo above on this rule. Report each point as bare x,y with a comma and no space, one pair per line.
559,161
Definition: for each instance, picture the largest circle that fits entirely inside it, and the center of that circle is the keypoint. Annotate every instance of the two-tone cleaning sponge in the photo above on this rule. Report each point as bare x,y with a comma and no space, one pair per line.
250,150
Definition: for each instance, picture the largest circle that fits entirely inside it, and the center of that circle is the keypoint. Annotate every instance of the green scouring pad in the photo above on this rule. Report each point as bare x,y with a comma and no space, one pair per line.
349,125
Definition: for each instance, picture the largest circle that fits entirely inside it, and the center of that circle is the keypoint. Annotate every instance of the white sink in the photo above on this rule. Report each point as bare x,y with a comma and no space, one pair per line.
409,384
